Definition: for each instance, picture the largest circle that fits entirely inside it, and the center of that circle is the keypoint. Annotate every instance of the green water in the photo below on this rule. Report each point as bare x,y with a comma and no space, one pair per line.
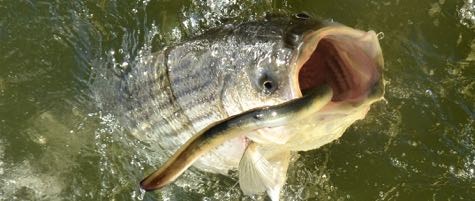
56,144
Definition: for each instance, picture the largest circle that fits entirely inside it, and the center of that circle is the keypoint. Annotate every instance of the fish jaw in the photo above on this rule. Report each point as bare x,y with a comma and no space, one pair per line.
350,60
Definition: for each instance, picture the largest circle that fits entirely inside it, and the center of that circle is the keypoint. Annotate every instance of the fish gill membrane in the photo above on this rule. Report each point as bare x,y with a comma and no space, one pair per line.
248,95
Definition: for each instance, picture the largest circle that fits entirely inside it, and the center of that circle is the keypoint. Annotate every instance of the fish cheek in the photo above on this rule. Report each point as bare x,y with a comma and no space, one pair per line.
238,94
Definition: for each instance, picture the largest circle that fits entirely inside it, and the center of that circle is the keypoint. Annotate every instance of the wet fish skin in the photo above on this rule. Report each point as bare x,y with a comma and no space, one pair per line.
186,87
232,127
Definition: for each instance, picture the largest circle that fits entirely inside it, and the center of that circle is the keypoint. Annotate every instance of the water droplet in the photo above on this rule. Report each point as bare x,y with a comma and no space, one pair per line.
142,194
56,37
41,140
414,144
429,92
451,169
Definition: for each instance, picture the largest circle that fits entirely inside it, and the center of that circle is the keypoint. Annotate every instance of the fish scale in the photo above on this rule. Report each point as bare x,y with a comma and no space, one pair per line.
193,88
157,110
219,79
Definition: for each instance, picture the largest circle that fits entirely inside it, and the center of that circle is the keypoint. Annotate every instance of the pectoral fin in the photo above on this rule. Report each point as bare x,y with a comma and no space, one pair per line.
263,168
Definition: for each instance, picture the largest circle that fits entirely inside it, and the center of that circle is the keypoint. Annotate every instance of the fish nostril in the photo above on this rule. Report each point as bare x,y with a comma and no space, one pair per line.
268,85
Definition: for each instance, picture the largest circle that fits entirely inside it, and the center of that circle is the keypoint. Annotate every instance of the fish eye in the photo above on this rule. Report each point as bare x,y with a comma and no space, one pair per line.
267,84
303,16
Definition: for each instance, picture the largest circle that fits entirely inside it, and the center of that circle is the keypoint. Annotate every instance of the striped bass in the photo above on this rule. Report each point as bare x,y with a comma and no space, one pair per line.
246,96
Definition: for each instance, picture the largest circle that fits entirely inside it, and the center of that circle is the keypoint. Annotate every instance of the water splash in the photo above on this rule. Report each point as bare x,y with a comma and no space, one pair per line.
88,156
467,14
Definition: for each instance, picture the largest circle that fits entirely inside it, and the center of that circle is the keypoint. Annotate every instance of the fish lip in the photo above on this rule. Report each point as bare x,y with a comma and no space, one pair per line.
363,43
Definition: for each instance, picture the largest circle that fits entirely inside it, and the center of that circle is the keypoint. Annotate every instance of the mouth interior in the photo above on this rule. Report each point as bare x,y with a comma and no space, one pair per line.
343,65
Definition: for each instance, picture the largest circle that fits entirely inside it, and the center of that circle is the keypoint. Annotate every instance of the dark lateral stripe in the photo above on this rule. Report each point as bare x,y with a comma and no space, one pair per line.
151,102
204,116
146,106
150,97
196,90
159,114
204,100
173,118
163,113
154,106
153,109
190,85
166,130
192,75
174,127
162,119
152,93
180,127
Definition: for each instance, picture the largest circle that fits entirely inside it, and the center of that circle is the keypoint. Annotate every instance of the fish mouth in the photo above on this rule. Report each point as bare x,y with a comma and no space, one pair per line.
348,60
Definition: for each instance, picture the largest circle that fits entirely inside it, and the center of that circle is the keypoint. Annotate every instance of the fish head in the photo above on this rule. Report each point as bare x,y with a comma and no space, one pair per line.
305,54
283,58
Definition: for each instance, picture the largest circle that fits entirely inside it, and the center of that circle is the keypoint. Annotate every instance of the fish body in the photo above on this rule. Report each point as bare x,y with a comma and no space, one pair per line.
182,94
234,127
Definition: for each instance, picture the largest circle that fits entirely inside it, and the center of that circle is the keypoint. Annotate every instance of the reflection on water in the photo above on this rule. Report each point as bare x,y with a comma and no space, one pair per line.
467,14
58,142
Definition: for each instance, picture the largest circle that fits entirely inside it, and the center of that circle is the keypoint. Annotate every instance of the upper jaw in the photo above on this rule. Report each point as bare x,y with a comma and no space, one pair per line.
349,60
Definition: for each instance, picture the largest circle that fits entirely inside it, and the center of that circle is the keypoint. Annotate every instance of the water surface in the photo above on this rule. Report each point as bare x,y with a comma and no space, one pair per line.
57,144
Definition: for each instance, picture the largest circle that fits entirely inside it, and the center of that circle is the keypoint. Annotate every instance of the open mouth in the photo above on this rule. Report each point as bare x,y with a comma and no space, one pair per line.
346,60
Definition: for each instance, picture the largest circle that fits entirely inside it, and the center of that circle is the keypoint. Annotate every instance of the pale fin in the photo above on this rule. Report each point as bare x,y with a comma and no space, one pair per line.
279,158
263,169
251,171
